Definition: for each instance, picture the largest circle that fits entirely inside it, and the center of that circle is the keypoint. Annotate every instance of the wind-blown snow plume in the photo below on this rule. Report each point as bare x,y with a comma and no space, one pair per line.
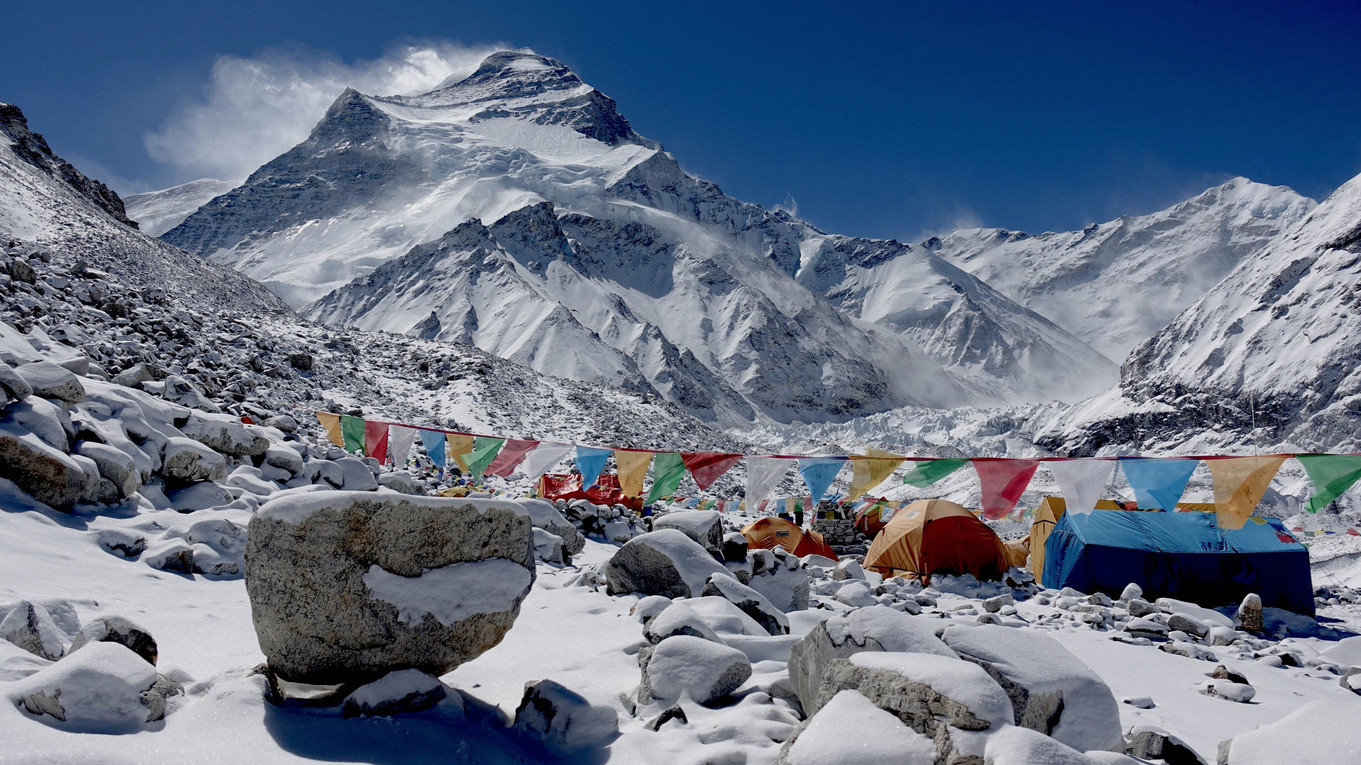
253,109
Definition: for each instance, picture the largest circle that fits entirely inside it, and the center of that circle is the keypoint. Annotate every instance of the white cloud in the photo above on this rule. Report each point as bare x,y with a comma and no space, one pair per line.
253,109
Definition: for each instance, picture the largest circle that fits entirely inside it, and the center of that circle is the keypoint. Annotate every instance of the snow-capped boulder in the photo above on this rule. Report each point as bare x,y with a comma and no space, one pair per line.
30,627
563,719
16,663
665,562
678,619
40,470
1318,733
103,688
114,465
549,548
1022,746
877,628
777,575
923,690
225,433
347,586
117,629
735,547
545,516
1250,612
187,460
850,730
1150,742
646,609
403,690
849,568
703,526
401,482
15,387
47,420
1051,690
284,458
684,666
50,380
199,496
751,602
355,475
855,593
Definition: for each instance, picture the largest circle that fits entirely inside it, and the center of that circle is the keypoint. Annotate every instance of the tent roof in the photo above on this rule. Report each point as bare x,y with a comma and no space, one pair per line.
1176,532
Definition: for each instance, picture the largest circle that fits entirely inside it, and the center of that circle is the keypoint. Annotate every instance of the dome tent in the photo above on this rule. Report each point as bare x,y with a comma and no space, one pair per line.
1179,555
934,536
768,533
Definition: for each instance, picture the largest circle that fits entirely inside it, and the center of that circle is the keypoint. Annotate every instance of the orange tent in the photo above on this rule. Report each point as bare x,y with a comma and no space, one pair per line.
934,536
767,533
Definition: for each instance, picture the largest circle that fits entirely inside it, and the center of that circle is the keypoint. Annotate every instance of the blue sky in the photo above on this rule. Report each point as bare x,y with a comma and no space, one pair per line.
879,119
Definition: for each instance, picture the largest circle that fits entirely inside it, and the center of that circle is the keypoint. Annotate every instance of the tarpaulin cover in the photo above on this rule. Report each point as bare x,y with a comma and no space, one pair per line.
1179,555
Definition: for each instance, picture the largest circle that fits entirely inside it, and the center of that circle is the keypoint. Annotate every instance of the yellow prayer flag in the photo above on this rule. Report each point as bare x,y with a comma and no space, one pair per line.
1240,483
871,470
460,445
332,424
632,470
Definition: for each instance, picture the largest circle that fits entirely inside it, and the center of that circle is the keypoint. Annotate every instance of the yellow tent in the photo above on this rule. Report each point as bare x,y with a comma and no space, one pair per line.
936,536
1049,512
767,533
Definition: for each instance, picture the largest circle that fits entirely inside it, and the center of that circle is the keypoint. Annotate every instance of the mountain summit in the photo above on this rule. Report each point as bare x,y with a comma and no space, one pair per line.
516,209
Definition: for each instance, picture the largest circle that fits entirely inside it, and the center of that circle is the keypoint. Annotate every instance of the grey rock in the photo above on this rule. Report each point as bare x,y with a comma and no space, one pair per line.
1250,612
355,475
199,496
752,603
175,557
563,719
52,381
994,604
1151,743
346,586
777,575
14,386
398,692
678,619
877,628
664,562
187,460
1222,672
282,422
689,666
548,548
1138,607
114,465
121,542
30,627
134,375
117,629
103,688
284,458
40,470
401,482
1040,695
1188,625
1351,680
547,517
735,547
226,434
703,526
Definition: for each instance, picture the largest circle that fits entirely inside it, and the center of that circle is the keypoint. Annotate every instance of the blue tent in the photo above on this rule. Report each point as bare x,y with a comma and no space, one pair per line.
1179,555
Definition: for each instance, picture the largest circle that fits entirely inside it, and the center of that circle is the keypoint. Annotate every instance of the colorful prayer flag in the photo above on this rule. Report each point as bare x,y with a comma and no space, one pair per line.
1157,482
763,475
927,473
352,430
1002,482
545,456
376,440
511,455
1081,481
632,470
460,444
668,469
400,440
331,422
818,474
1332,475
485,449
591,463
872,469
706,467
1240,483
433,441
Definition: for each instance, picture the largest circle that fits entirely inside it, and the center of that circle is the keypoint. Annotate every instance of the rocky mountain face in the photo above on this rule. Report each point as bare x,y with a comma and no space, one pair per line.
1116,283
156,212
1272,352
32,149
595,256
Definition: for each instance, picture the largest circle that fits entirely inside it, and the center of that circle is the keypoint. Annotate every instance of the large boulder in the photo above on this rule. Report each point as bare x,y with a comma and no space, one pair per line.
563,719
703,526
103,688
778,576
41,471
12,385
879,737
1051,690
877,628
225,433
117,629
30,627
752,603
52,381
684,666
544,516
185,460
665,562
114,465
405,690
347,586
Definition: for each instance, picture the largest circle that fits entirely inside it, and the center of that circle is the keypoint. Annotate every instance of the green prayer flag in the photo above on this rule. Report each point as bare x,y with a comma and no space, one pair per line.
484,451
927,473
668,468
1332,475
352,430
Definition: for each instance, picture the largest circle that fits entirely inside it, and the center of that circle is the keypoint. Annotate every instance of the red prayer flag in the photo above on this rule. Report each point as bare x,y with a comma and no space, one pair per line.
376,440
512,453
1354,532
706,467
1002,483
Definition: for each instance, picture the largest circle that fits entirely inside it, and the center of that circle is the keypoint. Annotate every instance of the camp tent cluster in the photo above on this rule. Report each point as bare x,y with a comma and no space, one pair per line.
1158,482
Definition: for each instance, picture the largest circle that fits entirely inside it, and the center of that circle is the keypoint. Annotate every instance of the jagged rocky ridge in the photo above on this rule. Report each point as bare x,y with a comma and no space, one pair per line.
663,278
1269,356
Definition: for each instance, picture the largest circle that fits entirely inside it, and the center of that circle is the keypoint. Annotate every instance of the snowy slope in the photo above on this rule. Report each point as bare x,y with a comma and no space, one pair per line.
650,276
1116,283
1271,353
156,212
